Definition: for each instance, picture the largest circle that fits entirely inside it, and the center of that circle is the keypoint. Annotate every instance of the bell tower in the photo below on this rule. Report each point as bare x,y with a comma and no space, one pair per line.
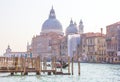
8,50
81,27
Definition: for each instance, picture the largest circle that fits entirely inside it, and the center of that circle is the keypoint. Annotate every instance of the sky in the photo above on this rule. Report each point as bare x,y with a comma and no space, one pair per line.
20,20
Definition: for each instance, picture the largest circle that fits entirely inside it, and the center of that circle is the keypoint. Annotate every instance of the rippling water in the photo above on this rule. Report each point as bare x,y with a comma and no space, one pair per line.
89,73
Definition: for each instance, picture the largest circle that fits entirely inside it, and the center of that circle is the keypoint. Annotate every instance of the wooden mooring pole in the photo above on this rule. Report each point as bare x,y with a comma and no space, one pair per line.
25,66
22,65
52,63
61,65
44,64
78,65
38,66
72,66
68,64
55,63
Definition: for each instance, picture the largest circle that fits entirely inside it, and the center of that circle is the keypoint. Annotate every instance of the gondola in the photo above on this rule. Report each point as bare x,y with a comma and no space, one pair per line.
63,64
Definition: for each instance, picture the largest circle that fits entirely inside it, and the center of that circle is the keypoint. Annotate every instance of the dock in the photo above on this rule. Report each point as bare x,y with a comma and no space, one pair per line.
27,65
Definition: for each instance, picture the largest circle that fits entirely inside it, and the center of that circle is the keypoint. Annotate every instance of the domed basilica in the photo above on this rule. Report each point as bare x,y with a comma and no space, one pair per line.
52,41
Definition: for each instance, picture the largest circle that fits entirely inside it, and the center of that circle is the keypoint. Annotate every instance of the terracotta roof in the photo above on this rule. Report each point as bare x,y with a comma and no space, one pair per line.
92,34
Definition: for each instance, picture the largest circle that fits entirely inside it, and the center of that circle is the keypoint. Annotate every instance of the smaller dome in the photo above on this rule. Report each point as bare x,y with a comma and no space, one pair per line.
71,29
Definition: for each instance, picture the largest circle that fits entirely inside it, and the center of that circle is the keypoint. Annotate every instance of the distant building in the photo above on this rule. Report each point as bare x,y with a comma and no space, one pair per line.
48,42
9,53
93,45
73,40
71,29
52,41
113,42
81,27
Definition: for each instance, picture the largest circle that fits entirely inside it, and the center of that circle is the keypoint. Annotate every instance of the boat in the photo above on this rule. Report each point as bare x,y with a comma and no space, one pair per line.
63,64
59,65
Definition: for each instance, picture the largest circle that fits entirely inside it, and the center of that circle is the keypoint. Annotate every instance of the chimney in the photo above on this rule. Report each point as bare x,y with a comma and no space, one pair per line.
101,31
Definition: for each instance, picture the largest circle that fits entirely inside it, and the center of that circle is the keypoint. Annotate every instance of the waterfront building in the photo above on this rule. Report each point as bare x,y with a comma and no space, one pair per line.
113,42
93,45
9,53
52,41
71,39
48,42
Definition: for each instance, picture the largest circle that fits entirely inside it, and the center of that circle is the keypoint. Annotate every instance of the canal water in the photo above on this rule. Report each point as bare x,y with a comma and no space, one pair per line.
89,73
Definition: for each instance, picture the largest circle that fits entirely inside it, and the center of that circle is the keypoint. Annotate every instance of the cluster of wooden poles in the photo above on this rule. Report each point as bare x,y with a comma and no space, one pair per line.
35,64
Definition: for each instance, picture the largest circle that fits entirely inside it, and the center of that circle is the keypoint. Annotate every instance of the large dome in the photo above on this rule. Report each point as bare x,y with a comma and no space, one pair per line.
71,29
52,24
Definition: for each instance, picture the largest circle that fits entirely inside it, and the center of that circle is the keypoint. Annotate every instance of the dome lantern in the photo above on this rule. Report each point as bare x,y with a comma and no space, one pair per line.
52,13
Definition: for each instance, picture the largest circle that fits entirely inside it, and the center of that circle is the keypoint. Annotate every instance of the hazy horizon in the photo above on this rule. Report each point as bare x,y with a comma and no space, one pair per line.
20,20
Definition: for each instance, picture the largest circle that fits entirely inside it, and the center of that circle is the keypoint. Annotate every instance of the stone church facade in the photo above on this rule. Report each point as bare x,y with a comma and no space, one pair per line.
52,41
